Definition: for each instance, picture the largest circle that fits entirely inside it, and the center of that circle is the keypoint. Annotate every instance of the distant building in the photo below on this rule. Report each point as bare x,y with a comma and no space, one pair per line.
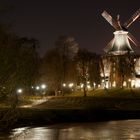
120,71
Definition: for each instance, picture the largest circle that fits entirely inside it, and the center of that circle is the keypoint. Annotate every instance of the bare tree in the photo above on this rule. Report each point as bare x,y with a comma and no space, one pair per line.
58,64
87,67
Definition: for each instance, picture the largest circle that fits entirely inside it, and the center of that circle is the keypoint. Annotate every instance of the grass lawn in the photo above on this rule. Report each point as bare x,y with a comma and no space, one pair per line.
119,93
115,99
118,99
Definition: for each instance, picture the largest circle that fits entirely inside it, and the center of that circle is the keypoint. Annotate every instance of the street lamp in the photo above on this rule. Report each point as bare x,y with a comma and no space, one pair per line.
37,87
19,90
70,85
64,85
43,86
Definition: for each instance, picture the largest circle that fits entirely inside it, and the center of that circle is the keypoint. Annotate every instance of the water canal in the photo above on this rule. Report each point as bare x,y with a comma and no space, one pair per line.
109,130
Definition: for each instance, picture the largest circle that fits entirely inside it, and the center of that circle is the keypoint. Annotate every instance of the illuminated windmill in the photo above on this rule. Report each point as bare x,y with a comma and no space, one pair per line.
120,45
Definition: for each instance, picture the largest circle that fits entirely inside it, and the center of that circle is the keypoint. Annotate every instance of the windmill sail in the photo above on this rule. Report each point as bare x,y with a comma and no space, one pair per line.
133,39
109,46
111,21
132,19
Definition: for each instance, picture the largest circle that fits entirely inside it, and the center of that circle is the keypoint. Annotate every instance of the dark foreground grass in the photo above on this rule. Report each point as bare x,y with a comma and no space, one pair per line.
40,117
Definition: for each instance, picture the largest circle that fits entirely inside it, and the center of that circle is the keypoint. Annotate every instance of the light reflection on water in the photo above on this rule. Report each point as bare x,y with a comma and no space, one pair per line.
111,130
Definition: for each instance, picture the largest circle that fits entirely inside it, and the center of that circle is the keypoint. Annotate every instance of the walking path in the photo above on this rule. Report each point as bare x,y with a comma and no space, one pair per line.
36,102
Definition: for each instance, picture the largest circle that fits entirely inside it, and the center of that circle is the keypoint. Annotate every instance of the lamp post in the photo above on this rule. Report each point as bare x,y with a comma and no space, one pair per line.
43,88
129,83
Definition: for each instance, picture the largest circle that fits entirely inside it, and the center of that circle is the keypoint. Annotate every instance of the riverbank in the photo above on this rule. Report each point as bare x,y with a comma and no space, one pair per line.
72,108
37,117
79,109
41,117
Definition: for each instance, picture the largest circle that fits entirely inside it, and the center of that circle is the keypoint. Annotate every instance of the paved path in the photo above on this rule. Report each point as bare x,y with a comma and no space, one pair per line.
36,102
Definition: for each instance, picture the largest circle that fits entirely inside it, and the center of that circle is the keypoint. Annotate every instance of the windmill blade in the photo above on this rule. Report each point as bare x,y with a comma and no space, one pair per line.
112,22
133,39
132,19
109,46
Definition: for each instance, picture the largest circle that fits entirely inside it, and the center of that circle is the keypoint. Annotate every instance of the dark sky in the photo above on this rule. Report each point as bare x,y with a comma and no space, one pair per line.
46,20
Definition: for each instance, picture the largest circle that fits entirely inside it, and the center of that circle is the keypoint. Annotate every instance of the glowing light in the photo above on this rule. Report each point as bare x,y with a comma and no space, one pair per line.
107,85
121,38
124,83
82,85
18,131
137,83
71,85
103,81
64,85
37,87
19,90
114,84
88,86
120,43
43,86
138,72
137,66
133,83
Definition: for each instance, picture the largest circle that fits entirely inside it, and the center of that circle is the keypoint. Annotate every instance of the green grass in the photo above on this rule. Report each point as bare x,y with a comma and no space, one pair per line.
22,100
96,99
119,99
113,93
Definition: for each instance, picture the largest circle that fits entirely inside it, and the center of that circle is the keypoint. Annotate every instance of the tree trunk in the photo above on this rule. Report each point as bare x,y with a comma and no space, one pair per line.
84,88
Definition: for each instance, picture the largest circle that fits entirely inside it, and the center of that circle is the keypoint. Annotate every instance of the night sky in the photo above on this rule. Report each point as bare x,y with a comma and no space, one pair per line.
46,20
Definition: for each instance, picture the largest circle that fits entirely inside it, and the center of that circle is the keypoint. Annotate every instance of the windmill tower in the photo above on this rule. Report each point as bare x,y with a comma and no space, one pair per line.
119,47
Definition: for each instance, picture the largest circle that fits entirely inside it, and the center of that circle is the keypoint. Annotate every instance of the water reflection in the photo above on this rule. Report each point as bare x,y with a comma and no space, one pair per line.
112,130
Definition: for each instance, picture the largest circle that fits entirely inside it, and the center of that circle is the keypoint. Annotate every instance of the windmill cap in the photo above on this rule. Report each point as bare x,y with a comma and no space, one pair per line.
120,32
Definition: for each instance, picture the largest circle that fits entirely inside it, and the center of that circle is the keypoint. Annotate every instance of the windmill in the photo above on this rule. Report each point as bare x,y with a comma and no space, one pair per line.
120,44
